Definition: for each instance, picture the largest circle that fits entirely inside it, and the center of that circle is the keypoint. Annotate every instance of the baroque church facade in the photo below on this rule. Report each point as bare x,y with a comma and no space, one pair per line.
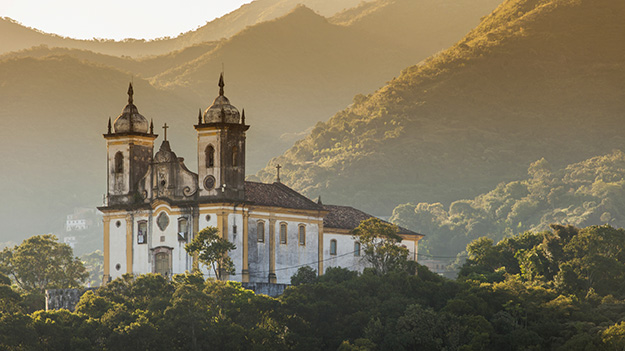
155,205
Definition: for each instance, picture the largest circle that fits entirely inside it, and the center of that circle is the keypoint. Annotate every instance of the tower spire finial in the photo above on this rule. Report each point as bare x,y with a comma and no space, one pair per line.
199,116
130,93
109,128
165,126
243,117
221,84
278,173
151,126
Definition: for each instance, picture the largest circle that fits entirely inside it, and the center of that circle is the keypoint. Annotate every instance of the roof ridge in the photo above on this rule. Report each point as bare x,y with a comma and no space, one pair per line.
287,188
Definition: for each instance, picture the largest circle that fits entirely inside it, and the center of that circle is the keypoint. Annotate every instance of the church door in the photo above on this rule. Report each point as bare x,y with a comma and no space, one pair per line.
162,263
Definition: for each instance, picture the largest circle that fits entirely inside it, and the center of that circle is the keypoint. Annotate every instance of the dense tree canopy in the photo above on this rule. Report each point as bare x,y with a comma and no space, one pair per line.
560,289
40,262
587,193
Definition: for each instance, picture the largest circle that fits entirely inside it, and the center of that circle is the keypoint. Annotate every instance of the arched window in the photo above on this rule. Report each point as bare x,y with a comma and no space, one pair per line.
282,233
235,156
142,232
183,229
302,234
356,248
260,231
119,162
210,156
333,247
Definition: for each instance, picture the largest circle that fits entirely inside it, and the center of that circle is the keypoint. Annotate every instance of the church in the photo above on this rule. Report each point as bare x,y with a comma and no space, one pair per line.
155,205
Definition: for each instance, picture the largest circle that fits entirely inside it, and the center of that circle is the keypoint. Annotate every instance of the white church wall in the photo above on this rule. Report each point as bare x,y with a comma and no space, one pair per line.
345,252
141,260
236,219
258,251
117,248
292,255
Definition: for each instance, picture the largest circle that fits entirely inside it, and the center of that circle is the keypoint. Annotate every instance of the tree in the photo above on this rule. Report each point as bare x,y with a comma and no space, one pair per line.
41,262
380,242
304,275
212,251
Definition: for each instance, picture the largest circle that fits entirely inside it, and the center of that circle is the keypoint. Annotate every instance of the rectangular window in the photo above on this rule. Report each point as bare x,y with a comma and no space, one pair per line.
142,232
283,233
183,229
356,249
332,247
260,231
302,234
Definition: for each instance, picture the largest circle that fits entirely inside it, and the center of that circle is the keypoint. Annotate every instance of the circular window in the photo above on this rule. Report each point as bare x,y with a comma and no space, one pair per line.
118,223
118,266
209,182
208,218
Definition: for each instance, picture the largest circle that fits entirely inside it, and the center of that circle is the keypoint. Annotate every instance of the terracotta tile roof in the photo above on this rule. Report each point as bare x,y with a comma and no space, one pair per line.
278,195
346,217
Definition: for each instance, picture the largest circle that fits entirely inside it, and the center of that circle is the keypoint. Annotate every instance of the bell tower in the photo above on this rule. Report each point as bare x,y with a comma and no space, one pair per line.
221,150
129,146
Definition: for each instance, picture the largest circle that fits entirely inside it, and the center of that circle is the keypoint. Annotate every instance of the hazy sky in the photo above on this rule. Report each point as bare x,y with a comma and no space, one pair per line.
116,19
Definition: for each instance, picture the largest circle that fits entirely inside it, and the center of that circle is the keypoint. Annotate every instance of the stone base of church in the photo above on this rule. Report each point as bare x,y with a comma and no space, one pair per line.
269,289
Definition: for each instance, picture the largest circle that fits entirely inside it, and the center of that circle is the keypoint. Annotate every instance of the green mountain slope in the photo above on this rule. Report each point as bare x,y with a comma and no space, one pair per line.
535,79
297,69
430,25
18,37
591,192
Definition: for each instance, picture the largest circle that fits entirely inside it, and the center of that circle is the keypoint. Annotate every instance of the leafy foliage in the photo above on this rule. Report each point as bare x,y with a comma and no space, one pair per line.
587,193
212,250
381,246
40,263
534,291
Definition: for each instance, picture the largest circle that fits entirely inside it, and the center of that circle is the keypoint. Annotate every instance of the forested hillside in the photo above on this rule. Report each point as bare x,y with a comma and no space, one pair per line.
590,192
535,79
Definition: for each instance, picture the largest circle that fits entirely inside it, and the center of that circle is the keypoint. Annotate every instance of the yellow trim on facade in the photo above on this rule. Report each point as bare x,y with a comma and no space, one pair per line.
272,251
126,138
245,269
129,229
107,251
320,249
196,227
120,215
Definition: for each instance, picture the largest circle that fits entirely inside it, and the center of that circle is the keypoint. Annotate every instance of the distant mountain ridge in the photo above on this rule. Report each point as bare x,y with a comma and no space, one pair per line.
18,37
536,78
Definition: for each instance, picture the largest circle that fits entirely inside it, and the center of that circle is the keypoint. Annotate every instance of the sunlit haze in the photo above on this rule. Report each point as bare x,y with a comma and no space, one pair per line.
116,19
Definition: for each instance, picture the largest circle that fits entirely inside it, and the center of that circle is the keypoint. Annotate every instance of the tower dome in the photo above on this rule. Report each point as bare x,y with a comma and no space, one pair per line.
130,120
221,110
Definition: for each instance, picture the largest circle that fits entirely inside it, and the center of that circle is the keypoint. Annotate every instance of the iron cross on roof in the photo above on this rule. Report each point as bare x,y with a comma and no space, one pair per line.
278,174
165,126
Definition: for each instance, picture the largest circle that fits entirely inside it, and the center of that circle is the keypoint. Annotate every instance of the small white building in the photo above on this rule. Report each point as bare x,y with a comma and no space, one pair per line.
155,206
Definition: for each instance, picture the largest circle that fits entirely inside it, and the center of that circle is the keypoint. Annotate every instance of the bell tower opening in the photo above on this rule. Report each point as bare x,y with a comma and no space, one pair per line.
210,156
